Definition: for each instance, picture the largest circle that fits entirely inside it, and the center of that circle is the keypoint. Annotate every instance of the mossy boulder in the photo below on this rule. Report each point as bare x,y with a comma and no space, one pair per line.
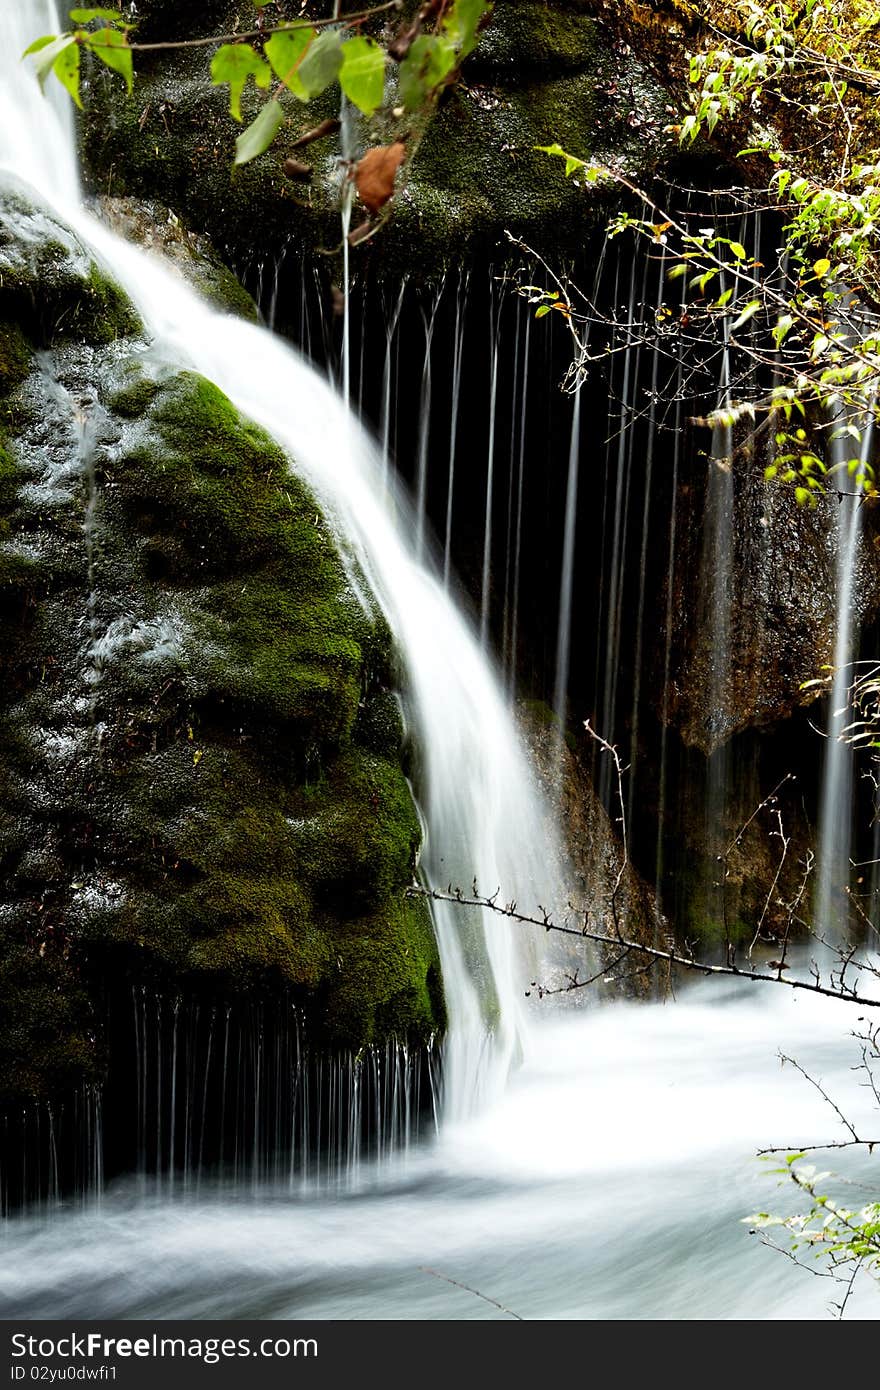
157,228
543,72
50,286
201,785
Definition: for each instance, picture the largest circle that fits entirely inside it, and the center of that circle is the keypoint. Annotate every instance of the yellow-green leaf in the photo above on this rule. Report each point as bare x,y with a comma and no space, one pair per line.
285,51
462,23
85,16
112,48
235,63
45,54
260,133
751,308
66,69
362,74
822,267
37,44
321,64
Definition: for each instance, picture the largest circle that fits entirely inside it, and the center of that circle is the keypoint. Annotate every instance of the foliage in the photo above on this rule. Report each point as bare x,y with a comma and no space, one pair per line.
843,1237
807,323
300,59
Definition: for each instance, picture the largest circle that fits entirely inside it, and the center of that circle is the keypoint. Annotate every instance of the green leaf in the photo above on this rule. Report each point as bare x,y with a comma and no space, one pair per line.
738,250
362,74
285,51
66,69
425,69
462,23
572,163
97,12
723,298
46,53
258,136
40,43
112,48
783,324
235,63
540,312
751,308
321,64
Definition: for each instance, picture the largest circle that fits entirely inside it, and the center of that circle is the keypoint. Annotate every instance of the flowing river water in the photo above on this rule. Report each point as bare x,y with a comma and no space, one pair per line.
609,1181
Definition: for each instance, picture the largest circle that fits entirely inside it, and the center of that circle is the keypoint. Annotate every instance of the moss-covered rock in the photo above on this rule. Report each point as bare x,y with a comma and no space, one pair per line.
157,228
201,784
543,72
50,286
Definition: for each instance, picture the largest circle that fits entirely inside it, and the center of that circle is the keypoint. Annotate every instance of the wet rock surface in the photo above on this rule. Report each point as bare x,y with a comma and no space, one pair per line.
604,889
201,778
754,599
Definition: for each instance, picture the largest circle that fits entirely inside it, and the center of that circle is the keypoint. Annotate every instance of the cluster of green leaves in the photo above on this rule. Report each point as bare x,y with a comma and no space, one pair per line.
847,1238
302,60
813,317
59,54
298,58
433,59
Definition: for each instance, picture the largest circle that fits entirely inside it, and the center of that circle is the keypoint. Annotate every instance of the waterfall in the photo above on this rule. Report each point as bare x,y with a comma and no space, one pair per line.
457,351
835,811
495,311
484,817
566,582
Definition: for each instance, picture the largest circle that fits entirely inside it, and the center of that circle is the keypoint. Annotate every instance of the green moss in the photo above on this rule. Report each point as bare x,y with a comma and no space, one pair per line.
264,886
134,394
528,34
379,726
298,659
47,1042
102,314
222,289
49,285
358,832
386,977
16,356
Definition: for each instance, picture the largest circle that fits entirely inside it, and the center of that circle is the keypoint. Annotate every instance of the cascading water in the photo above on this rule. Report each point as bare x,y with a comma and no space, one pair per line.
835,813
484,817
495,311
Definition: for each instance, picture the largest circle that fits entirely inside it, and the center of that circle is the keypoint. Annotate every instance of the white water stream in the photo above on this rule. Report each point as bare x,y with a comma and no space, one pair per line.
608,1176
610,1181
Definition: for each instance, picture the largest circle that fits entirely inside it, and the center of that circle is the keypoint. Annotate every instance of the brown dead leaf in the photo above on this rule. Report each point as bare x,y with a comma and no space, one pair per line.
376,172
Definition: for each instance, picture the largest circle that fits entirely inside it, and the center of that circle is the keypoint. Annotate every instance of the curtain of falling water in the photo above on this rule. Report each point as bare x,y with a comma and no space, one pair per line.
836,809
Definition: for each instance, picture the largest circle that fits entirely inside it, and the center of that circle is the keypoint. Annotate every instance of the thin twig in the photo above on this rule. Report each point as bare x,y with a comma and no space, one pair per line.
263,33
484,1296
